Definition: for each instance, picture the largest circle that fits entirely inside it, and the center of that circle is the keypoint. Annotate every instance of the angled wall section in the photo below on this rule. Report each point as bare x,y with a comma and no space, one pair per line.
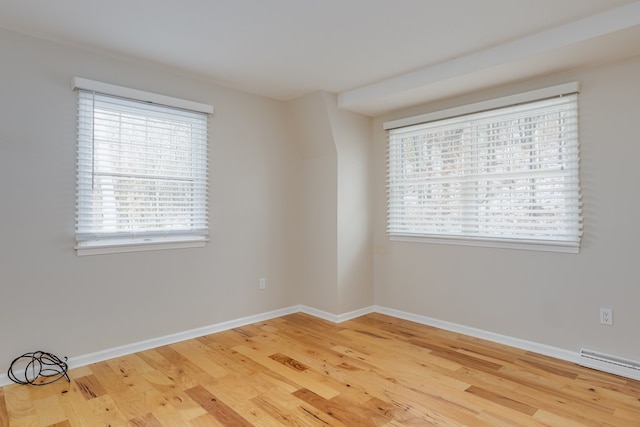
335,238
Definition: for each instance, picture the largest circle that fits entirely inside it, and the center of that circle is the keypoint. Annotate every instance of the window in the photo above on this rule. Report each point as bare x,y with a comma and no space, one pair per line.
502,176
141,170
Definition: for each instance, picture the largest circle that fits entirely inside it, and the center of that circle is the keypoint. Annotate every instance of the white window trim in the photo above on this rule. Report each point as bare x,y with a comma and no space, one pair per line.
120,245
139,95
491,104
506,101
114,246
529,245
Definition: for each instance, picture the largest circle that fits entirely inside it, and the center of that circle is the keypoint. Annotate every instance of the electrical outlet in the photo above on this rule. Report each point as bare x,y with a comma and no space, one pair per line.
263,283
606,316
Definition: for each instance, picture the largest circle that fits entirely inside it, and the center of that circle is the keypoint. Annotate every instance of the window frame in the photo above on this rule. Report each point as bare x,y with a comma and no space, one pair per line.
470,240
107,243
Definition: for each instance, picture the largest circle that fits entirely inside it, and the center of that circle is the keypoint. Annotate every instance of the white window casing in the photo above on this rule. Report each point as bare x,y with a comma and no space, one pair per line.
501,173
141,170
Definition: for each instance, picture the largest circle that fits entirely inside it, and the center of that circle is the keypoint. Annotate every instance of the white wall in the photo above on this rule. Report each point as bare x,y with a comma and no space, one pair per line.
547,298
317,241
336,273
352,135
51,299
288,188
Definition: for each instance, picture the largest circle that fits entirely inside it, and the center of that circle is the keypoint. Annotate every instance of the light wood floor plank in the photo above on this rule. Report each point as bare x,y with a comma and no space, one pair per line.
4,416
298,370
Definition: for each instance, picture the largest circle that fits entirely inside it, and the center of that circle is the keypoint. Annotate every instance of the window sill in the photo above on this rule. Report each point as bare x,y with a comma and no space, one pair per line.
114,246
530,245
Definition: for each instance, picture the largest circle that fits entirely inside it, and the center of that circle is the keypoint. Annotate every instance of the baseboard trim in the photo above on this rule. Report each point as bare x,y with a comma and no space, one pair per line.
535,347
111,353
99,356
336,318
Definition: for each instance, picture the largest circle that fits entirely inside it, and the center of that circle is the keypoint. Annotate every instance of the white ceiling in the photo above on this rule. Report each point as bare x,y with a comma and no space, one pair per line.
378,55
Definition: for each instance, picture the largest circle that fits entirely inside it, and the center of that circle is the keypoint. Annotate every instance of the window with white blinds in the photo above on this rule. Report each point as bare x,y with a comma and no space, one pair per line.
505,177
141,175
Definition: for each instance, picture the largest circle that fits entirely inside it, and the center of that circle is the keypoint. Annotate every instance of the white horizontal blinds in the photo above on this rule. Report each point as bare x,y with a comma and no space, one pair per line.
506,174
142,169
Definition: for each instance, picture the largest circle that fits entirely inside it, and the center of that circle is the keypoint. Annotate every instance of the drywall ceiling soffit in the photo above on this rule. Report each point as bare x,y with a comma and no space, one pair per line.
598,39
284,49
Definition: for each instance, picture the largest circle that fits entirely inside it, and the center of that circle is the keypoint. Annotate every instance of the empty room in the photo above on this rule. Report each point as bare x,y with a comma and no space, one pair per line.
319,213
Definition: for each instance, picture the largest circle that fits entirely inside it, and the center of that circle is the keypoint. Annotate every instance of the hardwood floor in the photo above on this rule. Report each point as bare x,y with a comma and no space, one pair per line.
298,370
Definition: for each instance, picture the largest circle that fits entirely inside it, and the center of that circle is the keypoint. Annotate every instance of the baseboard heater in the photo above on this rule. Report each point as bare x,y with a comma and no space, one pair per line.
612,364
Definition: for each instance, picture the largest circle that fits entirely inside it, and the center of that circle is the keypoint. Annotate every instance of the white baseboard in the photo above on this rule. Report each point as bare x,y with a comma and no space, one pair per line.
336,318
99,356
547,350
111,353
